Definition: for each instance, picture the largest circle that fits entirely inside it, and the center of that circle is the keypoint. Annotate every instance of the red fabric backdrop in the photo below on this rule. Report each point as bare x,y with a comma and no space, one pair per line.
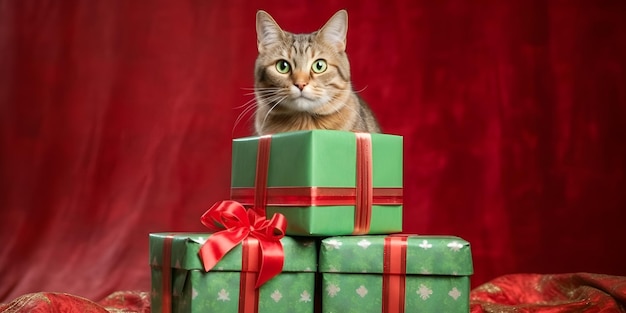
116,119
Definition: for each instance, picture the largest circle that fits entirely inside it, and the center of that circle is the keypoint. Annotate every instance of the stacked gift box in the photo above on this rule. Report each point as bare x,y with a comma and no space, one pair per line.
337,198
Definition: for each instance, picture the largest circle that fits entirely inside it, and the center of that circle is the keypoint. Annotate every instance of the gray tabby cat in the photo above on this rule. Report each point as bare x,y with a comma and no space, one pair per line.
302,81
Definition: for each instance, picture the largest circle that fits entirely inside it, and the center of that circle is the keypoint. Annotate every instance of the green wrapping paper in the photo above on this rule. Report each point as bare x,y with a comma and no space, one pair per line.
436,280
194,290
323,158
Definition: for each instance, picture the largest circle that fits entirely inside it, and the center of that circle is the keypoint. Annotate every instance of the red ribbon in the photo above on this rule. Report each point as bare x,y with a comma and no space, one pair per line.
394,274
248,293
363,206
262,168
232,224
166,275
315,196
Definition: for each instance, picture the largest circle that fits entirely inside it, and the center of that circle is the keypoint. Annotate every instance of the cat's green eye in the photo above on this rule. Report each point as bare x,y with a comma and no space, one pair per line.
283,67
319,66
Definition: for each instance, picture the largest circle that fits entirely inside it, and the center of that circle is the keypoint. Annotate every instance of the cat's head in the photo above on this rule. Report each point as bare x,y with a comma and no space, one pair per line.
302,72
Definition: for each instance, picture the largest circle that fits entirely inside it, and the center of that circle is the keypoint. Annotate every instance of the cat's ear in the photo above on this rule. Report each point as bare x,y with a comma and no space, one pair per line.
268,32
335,30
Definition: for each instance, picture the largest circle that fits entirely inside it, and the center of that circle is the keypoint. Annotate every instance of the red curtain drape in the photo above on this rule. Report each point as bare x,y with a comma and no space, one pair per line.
116,119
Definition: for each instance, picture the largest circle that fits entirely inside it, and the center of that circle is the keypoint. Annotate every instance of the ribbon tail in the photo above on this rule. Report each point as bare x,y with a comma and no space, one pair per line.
217,246
271,262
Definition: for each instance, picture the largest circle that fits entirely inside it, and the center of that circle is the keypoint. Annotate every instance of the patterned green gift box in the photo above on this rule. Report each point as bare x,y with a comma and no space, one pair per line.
437,274
194,290
322,159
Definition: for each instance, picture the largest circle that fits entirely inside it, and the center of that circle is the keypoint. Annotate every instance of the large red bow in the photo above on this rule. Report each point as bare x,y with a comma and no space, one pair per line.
232,224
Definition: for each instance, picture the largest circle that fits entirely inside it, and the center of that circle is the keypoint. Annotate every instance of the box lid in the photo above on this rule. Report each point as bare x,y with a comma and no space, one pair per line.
317,158
425,255
300,253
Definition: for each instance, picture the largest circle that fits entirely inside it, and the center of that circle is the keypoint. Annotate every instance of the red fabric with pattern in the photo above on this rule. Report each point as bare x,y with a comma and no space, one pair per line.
578,292
45,302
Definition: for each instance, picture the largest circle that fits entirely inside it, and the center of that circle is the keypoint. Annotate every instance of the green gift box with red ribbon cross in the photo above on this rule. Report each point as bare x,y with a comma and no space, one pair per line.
395,274
325,182
181,284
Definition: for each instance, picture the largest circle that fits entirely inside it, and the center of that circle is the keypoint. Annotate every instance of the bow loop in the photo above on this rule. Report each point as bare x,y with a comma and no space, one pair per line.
225,215
231,224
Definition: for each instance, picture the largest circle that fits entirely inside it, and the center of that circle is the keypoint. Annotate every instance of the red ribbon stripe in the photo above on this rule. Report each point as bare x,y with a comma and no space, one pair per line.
250,265
262,168
166,275
315,196
363,207
394,274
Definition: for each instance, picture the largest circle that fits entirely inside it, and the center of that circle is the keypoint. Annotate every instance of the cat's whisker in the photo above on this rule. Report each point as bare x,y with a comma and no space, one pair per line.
245,104
250,108
272,97
269,94
342,90
360,90
252,104
269,101
257,88
270,110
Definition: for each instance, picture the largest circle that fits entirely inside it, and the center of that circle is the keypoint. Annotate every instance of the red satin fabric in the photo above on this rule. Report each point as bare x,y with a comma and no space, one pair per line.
46,302
579,292
116,120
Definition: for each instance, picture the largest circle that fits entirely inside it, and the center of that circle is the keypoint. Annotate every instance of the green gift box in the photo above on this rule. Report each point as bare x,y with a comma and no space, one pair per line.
322,165
191,289
419,273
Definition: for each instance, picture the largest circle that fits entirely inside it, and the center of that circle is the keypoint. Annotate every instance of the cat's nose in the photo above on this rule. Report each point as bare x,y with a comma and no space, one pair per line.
300,85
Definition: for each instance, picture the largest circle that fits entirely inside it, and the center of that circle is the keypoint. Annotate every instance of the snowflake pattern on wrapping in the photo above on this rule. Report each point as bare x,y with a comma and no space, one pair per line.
424,292
276,296
455,246
305,296
425,245
223,295
362,291
454,293
333,244
364,243
332,290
